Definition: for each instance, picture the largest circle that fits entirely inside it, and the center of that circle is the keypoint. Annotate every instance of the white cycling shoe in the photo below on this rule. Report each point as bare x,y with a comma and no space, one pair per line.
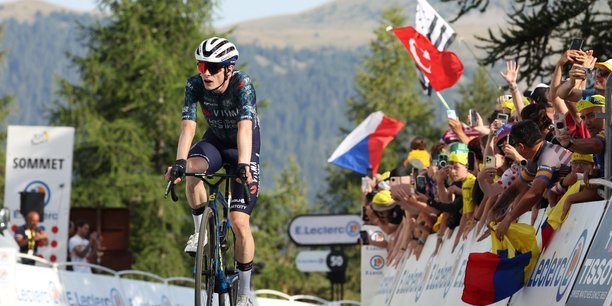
192,244
244,300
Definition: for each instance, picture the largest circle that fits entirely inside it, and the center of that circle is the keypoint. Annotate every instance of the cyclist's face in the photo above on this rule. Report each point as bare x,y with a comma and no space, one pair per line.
212,74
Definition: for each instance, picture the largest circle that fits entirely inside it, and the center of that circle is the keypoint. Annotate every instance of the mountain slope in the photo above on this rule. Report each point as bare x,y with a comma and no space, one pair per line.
349,24
303,64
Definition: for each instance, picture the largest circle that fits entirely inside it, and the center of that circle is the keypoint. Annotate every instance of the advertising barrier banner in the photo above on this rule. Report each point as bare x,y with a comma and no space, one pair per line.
141,293
372,266
439,279
181,296
37,286
325,229
39,159
7,276
558,266
91,289
594,281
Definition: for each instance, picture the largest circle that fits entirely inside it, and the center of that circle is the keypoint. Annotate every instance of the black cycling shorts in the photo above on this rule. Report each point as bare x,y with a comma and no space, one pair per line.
217,153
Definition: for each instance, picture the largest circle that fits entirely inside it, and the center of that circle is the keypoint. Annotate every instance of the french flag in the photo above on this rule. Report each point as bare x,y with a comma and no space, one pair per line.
362,149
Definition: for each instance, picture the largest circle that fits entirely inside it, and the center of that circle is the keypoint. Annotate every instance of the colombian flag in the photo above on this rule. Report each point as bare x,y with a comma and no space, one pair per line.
493,276
362,149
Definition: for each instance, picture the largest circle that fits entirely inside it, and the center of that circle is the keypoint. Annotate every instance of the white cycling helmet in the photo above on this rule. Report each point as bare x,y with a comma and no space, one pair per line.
217,50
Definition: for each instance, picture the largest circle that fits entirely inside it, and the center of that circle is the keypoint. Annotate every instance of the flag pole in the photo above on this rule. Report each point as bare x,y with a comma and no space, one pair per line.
442,100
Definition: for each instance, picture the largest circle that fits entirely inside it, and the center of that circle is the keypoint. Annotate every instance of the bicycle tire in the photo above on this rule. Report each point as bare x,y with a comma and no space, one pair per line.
206,259
230,270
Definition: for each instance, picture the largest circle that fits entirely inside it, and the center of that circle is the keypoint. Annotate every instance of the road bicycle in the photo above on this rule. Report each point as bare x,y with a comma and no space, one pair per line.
216,239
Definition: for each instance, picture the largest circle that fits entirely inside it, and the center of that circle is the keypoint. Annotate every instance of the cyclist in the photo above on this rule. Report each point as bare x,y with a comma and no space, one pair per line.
228,102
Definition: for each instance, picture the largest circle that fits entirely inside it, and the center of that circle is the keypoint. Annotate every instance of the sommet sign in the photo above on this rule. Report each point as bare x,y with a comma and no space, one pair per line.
313,230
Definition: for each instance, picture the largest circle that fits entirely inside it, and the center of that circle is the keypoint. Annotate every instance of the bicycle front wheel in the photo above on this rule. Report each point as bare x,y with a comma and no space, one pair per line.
206,259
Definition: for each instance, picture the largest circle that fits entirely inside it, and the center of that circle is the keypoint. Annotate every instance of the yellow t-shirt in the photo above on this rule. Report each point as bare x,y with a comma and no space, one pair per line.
466,191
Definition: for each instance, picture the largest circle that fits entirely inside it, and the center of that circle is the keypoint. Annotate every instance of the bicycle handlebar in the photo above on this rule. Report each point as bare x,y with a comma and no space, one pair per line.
170,186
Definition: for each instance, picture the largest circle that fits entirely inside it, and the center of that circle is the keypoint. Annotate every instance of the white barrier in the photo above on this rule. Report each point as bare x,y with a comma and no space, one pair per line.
438,280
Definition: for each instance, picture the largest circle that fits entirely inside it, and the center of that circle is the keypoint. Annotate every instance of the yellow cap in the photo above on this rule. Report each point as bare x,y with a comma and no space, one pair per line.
385,176
459,153
592,101
606,65
583,157
510,103
383,201
421,155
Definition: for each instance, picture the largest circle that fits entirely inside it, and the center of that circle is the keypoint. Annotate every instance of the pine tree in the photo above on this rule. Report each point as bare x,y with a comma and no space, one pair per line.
481,94
5,110
126,111
540,30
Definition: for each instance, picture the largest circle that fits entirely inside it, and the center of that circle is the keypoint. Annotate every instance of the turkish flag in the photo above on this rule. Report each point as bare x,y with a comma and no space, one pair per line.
442,68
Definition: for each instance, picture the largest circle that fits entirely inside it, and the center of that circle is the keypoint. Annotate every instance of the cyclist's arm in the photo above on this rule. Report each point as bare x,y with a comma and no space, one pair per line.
245,138
188,128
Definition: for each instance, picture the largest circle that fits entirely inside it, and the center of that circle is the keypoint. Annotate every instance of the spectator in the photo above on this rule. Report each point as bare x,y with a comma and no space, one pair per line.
542,114
30,236
546,162
582,164
79,247
590,112
418,151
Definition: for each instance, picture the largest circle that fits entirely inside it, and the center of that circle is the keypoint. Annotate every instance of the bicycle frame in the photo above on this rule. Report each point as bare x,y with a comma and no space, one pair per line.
222,282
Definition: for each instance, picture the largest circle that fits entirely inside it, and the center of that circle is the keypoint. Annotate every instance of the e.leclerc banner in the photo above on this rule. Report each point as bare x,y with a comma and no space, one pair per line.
325,229
39,159
557,268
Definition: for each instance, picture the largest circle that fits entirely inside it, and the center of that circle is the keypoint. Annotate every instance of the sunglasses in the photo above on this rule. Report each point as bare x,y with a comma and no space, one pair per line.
213,68
603,73
594,100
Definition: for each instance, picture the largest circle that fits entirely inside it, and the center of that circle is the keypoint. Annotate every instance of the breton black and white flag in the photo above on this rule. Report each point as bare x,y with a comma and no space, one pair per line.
436,29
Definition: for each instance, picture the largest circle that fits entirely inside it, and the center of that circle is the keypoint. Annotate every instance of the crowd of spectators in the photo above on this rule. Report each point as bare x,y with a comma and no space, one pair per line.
482,176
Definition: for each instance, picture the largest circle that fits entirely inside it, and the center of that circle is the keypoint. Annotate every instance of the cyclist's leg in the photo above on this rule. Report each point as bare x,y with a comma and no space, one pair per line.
203,157
240,215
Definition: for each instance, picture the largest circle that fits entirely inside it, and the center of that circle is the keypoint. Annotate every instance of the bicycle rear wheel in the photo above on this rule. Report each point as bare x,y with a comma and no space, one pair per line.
206,259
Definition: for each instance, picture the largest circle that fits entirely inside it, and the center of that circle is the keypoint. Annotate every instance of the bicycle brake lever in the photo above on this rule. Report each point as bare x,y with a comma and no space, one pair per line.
170,189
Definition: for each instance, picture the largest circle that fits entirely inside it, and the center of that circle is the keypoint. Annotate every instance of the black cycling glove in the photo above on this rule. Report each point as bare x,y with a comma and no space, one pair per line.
242,171
178,169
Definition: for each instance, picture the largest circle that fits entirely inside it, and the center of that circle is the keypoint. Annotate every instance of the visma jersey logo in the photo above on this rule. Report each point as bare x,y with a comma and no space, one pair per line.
377,262
39,186
352,229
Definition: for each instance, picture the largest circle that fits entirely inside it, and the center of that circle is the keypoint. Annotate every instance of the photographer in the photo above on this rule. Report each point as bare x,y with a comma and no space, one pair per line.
30,236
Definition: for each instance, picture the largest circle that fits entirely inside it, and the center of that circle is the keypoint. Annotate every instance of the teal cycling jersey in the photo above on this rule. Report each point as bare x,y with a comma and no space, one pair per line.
222,111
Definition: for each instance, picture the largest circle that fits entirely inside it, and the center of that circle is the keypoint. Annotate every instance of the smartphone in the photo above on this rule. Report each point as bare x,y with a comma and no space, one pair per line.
502,117
474,117
365,184
576,44
489,161
421,183
442,160
560,125
450,113
363,235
